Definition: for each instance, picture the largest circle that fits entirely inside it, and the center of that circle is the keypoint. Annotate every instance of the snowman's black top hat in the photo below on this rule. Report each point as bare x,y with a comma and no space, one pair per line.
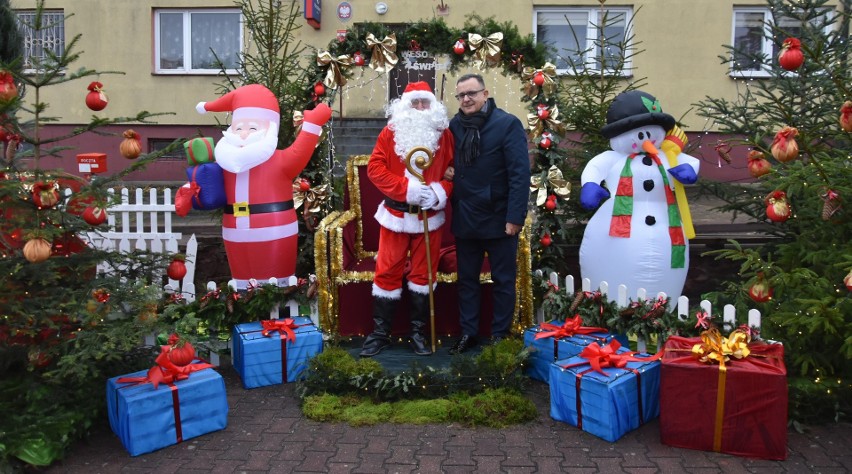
634,109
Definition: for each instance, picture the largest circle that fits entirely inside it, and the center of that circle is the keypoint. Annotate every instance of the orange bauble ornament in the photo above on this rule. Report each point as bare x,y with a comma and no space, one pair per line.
784,146
96,99
791,56
37,250
131,146
777,207
846,116
758,165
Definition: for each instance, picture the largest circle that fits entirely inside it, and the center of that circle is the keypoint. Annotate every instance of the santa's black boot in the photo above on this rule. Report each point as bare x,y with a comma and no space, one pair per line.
419,324
383,309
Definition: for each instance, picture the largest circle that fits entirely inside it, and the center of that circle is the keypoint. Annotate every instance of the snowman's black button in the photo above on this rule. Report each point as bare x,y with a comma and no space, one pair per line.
646,160
650,220
648,184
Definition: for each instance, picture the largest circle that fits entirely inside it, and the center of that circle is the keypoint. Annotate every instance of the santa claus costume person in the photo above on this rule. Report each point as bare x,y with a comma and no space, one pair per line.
259,225
417,119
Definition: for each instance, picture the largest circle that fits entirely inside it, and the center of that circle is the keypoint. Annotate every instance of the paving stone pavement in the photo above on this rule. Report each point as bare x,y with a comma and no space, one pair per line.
267,433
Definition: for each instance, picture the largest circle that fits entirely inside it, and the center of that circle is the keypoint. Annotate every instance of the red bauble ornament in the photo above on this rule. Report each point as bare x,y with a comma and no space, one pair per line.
304,185
181,352
791,56
96,99
459,47
758,165
358,59
538,78
94,215
546,240
777,207
414,45
177,269
319,89
546,141
846,116
848,281
45,195
542,111
784,147
760,291
8,89
550,204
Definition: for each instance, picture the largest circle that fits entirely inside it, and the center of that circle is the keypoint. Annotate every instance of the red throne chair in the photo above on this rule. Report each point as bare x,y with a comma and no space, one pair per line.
345,247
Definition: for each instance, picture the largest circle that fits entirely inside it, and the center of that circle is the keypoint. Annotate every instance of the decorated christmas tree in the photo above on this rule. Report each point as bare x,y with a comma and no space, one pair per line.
794,121
63,327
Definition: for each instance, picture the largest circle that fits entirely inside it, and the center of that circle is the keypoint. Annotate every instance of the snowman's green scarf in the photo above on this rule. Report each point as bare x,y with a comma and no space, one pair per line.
622,210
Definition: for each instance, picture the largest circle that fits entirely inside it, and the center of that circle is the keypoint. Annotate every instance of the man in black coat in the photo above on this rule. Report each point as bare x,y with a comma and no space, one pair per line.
491,190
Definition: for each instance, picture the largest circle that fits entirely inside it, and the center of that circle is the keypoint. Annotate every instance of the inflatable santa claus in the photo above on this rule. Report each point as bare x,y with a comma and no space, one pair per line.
259,225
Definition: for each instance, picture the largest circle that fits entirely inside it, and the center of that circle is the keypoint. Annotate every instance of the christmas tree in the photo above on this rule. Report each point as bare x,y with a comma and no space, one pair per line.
64,328
795,121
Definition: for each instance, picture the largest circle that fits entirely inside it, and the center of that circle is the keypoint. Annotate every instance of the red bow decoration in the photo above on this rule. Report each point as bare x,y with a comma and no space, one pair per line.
569,328
184,197
165,371
600,357
283,326
703,319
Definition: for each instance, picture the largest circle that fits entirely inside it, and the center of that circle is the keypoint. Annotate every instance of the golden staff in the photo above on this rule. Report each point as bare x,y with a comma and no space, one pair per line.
422,163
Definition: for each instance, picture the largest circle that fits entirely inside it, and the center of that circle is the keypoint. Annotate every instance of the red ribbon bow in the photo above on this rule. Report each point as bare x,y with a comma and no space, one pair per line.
569,328
165,372
283,326
600,357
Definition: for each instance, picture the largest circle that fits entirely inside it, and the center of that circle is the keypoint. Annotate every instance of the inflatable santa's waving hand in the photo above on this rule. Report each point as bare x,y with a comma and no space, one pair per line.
259,224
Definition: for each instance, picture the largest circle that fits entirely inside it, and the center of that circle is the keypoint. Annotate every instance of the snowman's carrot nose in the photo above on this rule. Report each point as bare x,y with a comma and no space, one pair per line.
649,148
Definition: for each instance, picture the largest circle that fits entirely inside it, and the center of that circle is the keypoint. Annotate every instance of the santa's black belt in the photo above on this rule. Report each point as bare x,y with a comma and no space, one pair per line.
402,206
243,209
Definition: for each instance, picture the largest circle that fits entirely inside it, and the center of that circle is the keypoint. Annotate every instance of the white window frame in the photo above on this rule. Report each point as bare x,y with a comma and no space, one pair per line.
590,57
55,20
187,45
767,45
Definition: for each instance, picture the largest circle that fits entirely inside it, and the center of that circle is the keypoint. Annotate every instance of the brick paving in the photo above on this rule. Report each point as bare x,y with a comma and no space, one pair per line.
267,433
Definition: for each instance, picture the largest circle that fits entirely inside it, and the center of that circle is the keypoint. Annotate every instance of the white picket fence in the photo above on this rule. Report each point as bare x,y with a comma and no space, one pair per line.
144,225
622,299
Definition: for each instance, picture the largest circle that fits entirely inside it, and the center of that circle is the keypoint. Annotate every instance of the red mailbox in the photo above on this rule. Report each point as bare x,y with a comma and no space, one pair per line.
92,163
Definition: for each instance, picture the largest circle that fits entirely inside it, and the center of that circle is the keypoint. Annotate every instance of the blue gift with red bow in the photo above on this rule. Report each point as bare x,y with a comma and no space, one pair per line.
606,390
556,340
164,405
274,351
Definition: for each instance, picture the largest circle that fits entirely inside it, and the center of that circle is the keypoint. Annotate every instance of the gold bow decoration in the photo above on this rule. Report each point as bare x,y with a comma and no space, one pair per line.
486,51
561,187
313,199
536,124
716,348
383,57
548,72
336,66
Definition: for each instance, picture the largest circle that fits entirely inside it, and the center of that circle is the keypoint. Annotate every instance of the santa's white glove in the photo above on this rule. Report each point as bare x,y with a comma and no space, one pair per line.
428,198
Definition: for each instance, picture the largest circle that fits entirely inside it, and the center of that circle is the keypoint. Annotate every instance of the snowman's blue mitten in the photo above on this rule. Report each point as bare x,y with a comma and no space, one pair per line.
592,194
684,173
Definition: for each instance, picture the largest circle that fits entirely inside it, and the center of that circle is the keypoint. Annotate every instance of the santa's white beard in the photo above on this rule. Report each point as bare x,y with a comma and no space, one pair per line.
413,128
236,155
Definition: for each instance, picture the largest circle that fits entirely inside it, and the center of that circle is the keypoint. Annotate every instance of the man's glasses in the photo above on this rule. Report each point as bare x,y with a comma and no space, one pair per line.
462,95
423,102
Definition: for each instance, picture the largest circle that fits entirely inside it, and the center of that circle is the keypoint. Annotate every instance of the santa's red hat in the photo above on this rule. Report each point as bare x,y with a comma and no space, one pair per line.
251,101
418,90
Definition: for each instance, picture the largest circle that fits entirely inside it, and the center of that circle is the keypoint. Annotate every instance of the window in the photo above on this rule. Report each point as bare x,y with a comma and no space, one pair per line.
753,46
157,144
44,36
583,38
191,41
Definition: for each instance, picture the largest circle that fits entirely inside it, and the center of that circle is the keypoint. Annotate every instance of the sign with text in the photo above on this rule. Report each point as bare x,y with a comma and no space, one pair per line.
313,13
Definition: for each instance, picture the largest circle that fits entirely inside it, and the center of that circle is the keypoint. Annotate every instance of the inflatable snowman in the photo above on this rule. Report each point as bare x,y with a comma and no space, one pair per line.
637,236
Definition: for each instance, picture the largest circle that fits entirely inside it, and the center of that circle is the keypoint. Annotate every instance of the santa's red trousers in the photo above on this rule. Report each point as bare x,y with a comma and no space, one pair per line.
394,249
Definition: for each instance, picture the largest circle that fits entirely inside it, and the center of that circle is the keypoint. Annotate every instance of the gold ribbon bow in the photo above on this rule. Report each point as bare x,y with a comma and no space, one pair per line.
536,124
313,198
561,187
334,74
548,71
486,50
383,57
715,348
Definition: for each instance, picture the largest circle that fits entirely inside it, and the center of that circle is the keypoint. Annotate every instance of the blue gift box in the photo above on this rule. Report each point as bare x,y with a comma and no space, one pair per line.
608,406
147,419
258,358
546,350
211,180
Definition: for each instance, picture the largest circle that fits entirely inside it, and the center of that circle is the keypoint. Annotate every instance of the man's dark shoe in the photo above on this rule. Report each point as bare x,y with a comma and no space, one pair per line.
463,344
420,345
373,345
